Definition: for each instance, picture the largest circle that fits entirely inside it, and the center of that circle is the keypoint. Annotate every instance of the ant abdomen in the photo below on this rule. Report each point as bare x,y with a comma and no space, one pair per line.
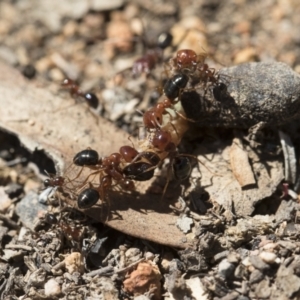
164,40
173,85
139,171
51,218
127,184
88,157
75,91
87,198
91,99
144,64
162,140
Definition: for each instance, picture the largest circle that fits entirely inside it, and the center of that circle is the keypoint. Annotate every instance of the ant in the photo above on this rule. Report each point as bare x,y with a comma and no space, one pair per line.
187,59
90,98
188,62
73,232
111,172
148,61
152,118
128,164
138,167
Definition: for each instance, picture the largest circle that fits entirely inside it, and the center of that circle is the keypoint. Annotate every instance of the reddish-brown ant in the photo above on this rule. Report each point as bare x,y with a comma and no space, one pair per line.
90,98
188,62
111,172
128,165
148,61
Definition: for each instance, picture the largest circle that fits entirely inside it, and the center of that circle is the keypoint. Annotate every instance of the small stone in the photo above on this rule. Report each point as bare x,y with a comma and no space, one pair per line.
145,278
246,262
270,246
263,290
288,284
13,190
133,254
5,201
190,39
184,223
288,245
31,185
100,5
165,262
119,35
37,278
268,257
7,55
52,288
246,55
29,210
74,263
196,286
70,28
225,268
233,257
256,276
240,271
258,263
9,254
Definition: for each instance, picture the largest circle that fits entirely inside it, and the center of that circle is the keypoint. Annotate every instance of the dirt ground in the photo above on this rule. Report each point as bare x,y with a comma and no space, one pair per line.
227,231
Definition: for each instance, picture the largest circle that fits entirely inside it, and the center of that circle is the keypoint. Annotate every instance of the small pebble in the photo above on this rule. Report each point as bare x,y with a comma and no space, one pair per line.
246,55
165,262
256,276
246,262
225,268
268,257
13,190
52,288
5,200
258,263
270,246
74,263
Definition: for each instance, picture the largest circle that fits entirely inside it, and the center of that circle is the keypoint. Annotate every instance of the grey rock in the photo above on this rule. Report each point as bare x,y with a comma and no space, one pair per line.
258,263
29,209
256,276
267,92
226,268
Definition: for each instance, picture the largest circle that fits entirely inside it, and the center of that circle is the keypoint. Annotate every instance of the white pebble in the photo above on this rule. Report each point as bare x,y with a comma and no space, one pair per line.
52,288
268,257
246,262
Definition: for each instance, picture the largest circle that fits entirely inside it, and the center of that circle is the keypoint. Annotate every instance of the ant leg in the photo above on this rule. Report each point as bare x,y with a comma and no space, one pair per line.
168,178
184,117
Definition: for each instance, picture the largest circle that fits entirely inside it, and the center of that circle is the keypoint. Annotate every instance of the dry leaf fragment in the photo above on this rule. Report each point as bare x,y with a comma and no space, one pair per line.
240,165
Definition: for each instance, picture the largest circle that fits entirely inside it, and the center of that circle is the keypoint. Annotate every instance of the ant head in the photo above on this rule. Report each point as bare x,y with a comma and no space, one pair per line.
47,182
